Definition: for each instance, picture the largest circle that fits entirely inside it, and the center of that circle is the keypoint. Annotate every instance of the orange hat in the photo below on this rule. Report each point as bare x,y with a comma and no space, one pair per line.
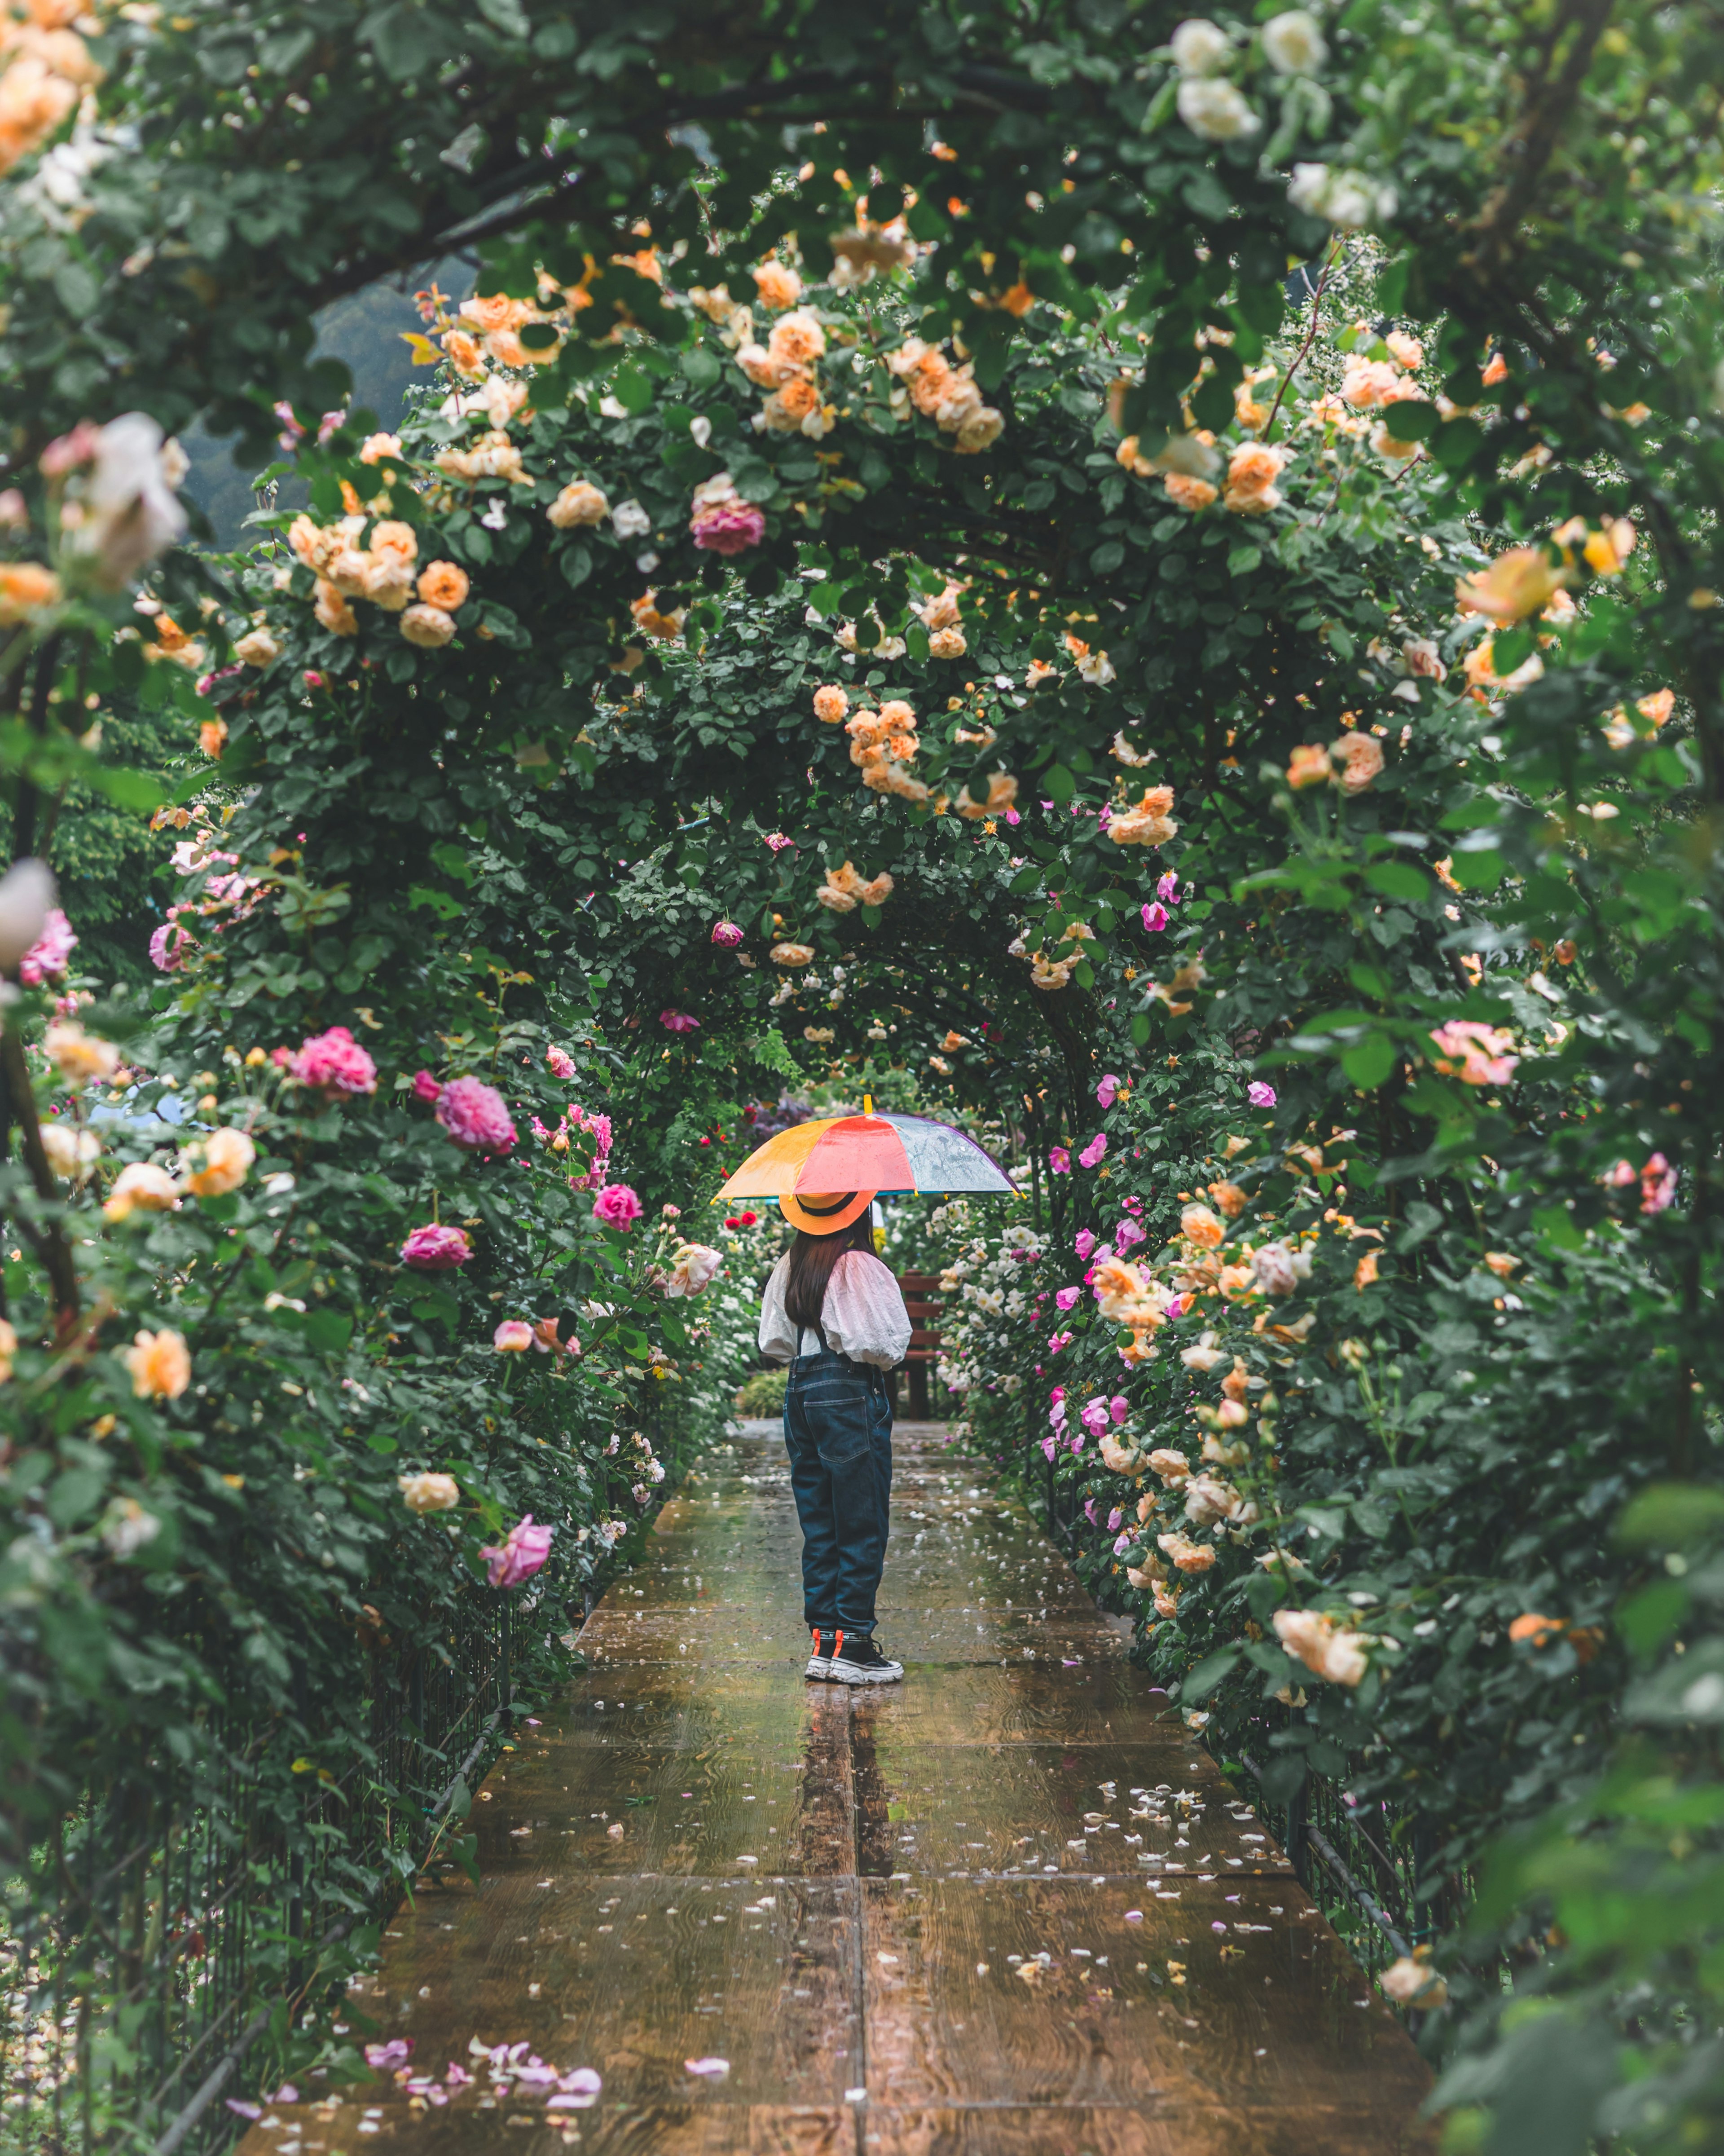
824,1212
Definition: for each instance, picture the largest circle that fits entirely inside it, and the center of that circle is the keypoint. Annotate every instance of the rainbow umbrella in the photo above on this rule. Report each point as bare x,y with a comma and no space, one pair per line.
890,1154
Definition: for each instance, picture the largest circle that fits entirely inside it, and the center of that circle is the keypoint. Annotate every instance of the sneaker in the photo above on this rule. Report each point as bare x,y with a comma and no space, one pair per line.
859,1661
820,1666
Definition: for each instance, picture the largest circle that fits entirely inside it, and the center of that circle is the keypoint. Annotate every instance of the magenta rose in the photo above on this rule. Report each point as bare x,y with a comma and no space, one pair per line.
171,947
728,527
727,935
335,1061
616,1205
1059,1161
523,1554
475,1115
436,1249
561,1063
1092,1153
426,1087
674,1021
50,953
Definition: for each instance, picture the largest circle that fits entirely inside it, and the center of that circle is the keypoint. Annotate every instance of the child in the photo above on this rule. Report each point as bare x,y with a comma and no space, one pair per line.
834,1313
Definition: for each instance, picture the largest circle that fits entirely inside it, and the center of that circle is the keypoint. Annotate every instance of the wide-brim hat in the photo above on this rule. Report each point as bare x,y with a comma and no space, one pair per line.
824,1212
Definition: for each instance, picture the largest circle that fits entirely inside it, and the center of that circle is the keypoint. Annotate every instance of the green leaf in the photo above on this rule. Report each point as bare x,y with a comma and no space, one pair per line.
1208,1673
129,790
1671,1515
1369,1061
1398,880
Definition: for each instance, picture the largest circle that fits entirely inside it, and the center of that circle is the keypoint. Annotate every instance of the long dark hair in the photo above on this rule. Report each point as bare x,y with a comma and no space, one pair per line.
812,1258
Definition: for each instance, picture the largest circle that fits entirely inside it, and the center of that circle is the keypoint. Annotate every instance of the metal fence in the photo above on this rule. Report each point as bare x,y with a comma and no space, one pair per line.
172,1921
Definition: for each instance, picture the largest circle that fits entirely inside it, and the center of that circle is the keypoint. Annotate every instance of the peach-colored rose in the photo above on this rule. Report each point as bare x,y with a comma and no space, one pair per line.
392,537
141,1186
1199,1226
1189,493
787,408
830,704
797,341
1517,583
1362,756
26,588
375,447
333,612
442,584
228,1156
1251,474
580,502
388,582
463,355
1309,767
780,287
160,1365
427,626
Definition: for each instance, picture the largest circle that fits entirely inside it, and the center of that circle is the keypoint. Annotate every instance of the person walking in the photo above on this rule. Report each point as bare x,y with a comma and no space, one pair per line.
834,1313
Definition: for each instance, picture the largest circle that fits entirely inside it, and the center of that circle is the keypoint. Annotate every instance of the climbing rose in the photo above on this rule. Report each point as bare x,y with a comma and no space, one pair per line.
513,1337
560,1063
170,947
1107,1090
335,1061
428,1493
1059,1161
50,953
616,1205
160,1365
1474,1053
694,1265
426,1087
435,1250
1083,1242
1065,1298
675,1021
1094,1415
1092,1155
1260,1095
727,528
727,935
522,1554
228,1156
475,1116
1155,917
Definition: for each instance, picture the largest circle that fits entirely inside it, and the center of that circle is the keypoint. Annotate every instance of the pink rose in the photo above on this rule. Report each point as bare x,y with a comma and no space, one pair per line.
616,1205
1092,1415
1092,1155
727,528
1125,1234
560,1063
1113,1520
778,841
513,1337
50,953
1167,889
1260,1095
335,1061
387,2056
436,1249
475,1115
1067,1296
1056,1413
1059,1161
674,1021
1155,917
426,1087
523,1554
1083,1242
171,947
727,935
1050,1445
1107,1090
1119,1407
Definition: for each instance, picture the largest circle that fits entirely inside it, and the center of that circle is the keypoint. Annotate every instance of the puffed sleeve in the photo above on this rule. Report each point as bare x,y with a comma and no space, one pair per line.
778,1336
864,1313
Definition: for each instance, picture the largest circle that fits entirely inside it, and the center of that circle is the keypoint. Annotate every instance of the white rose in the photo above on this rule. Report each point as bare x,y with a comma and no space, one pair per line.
1211,106
1293,45
1349,200
27,892
1199,46
629,520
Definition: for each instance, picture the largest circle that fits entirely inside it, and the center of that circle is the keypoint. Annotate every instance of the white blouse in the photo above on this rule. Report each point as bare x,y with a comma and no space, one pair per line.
864,1315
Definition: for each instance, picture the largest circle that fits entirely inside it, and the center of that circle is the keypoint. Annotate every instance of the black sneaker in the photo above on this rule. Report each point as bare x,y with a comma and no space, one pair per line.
856,1660
820,1666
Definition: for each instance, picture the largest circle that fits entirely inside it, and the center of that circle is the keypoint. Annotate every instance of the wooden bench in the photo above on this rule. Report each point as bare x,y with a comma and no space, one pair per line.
921,1299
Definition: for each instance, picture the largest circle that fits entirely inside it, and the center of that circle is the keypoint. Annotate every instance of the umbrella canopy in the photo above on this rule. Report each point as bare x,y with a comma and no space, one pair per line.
889,1154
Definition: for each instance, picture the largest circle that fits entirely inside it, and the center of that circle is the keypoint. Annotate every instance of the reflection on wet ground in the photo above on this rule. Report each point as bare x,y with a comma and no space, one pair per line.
1007,1909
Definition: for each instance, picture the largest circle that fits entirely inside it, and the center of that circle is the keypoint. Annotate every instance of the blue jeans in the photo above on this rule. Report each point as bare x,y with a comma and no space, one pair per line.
838,1430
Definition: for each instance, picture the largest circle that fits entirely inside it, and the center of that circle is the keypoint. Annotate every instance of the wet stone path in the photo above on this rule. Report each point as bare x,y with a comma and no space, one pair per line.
1005,1909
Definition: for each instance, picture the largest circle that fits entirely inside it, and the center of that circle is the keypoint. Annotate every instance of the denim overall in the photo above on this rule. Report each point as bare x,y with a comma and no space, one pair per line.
838,1430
